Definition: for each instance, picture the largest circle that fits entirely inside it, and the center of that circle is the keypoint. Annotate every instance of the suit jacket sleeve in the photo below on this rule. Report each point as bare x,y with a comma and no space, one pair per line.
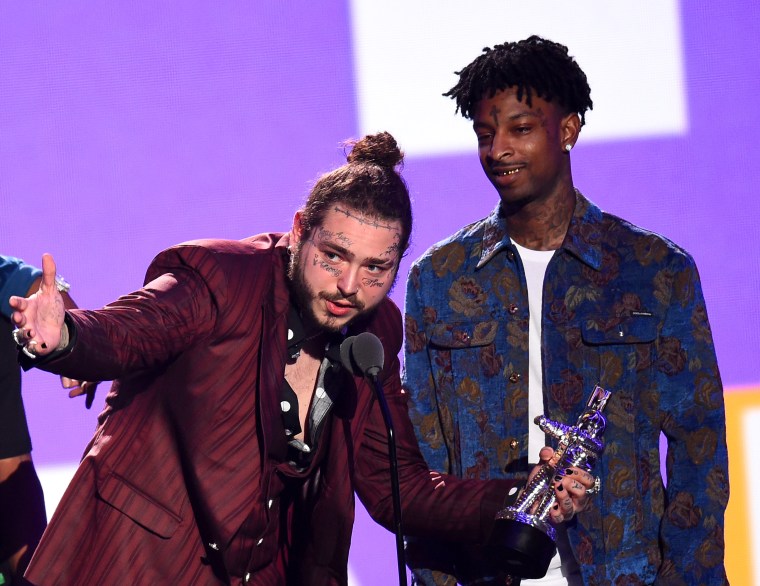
149,327
454,509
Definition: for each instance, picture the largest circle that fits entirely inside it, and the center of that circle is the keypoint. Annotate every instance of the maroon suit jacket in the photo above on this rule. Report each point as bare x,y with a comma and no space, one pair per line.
180,484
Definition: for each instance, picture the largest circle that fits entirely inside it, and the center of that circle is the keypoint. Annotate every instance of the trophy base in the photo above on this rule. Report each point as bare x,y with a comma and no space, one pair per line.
524,550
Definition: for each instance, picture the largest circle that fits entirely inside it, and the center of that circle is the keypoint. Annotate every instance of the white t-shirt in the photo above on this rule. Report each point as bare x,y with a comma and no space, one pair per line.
563,569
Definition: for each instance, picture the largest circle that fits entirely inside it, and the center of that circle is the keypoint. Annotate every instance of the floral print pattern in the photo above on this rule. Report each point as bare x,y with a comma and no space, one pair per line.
623,308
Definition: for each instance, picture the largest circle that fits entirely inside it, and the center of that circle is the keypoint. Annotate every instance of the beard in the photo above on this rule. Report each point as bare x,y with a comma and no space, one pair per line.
305,298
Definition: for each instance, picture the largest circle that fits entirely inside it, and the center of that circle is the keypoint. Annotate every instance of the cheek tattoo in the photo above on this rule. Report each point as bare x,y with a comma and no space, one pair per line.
367,282
335,272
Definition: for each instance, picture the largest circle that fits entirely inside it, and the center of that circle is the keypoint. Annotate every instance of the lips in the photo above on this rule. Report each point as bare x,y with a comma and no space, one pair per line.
505,171
338,309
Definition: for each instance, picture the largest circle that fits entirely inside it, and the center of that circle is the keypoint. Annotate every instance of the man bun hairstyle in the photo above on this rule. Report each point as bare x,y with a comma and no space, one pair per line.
380,149
369,182
533,65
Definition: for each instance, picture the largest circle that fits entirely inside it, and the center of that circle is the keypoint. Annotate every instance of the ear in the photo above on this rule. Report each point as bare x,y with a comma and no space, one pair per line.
296,232
569,129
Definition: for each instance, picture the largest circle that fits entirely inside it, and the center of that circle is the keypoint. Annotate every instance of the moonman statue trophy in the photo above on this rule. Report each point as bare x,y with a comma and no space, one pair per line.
526,539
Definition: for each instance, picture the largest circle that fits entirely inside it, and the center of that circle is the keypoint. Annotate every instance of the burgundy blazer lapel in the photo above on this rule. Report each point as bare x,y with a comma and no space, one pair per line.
271,369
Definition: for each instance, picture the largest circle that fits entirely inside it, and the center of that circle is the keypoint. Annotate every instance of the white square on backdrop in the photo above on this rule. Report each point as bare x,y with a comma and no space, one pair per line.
406,52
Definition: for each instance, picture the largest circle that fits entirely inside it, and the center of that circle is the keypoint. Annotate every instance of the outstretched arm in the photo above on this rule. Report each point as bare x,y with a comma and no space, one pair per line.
75,387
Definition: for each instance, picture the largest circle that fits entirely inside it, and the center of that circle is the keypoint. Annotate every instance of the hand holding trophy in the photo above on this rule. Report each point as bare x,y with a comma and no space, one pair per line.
525,536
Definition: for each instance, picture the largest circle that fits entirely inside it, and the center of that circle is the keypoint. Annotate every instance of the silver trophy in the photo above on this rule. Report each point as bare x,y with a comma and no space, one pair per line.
525,536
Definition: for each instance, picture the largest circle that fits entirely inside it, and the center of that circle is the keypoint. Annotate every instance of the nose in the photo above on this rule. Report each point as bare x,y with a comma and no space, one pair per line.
348,282
501,146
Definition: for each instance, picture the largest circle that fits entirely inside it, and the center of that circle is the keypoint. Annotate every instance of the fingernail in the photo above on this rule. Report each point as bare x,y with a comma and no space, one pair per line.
557,478
560,488
569,471
555,507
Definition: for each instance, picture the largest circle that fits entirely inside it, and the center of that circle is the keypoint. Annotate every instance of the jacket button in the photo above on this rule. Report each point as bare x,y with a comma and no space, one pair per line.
514,377
512,309
513,444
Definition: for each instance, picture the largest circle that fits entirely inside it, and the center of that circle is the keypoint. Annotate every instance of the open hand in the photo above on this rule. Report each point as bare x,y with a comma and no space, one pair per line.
39,318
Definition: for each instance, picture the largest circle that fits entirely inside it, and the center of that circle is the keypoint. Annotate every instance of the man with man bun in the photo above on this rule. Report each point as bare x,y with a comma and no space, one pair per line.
232,441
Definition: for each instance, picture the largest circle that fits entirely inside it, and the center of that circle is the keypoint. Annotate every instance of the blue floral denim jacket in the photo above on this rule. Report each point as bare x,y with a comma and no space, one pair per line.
622,308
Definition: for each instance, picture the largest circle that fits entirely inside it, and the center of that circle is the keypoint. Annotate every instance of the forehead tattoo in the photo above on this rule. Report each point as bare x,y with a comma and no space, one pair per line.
394,248
495,115
322,235
371,221
341,240
541,115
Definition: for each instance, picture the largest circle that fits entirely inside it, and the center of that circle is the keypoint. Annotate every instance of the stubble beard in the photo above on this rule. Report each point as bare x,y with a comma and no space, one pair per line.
306,297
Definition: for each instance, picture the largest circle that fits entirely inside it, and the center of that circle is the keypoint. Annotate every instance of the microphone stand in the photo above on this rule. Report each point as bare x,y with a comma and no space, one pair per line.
395,490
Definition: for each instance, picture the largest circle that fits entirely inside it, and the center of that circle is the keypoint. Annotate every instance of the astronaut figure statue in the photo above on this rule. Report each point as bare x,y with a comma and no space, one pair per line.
526,535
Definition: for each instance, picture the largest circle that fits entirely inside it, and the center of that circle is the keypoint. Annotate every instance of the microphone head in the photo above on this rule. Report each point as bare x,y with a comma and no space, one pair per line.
345,355
368,353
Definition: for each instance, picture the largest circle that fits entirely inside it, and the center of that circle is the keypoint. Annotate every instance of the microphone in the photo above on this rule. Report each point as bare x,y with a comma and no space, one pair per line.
363,354
345,355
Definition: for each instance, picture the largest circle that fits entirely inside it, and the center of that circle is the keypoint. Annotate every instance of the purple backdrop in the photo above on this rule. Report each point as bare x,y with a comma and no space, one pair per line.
128,127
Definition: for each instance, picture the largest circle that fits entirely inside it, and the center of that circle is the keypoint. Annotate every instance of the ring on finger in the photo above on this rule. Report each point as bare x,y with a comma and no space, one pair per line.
19,337
26,350
597,486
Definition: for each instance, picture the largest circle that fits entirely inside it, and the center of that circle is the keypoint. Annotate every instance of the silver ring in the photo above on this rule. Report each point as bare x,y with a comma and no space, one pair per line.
19,337
27,351
597,486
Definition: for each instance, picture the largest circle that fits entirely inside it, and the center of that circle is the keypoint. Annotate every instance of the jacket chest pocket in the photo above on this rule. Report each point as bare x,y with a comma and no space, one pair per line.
463,354
619,349
618,354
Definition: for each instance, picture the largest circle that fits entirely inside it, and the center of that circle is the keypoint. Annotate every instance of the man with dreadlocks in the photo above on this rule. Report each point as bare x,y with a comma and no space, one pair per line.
523,312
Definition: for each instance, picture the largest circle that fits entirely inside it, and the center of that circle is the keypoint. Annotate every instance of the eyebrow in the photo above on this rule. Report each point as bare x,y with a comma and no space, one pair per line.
530,114
367,260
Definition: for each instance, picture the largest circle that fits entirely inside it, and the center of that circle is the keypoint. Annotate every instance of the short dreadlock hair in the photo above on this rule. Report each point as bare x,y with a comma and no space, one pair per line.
534,66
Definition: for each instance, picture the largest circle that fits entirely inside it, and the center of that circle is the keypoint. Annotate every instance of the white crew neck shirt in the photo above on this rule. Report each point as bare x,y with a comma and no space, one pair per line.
563,569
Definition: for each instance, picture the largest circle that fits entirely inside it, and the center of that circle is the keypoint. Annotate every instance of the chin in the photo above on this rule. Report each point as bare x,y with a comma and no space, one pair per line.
333,324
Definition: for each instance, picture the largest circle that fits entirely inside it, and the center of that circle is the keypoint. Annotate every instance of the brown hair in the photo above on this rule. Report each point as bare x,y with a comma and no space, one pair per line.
368,182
